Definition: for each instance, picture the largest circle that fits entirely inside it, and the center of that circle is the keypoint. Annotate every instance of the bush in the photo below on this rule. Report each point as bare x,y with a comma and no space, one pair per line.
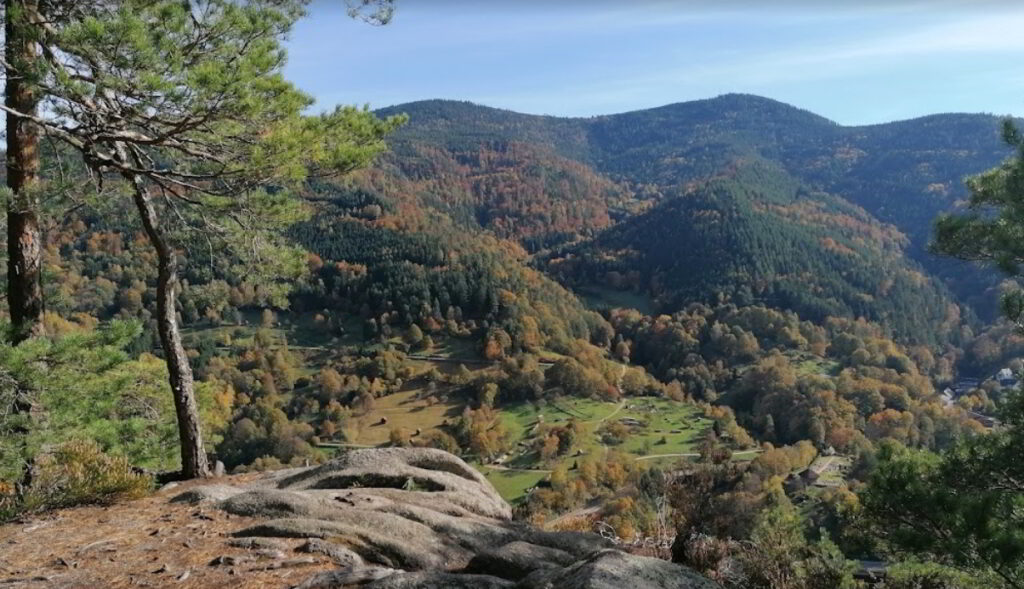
442,441
614,433
399,437
918,575
89,385
80,473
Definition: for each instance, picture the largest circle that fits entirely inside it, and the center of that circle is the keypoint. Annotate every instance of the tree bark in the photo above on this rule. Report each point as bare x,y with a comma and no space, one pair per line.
24,248
193,455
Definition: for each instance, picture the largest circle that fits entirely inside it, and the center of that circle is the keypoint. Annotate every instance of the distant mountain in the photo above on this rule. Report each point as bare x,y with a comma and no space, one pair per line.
730,154
903,172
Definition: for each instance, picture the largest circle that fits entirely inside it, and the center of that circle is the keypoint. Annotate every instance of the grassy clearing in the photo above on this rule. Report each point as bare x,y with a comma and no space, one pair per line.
512,485
402,410
661,426
831,470
598,298
680,424
519,419
808,364
670,427
456,348
237,335
656,426
299,331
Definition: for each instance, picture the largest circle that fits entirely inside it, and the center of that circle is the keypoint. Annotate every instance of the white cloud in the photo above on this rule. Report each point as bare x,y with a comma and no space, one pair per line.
955,35
607,56
977,34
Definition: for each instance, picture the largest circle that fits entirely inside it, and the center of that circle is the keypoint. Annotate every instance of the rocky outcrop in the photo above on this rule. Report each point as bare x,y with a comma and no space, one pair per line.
613,569
422,518
518,559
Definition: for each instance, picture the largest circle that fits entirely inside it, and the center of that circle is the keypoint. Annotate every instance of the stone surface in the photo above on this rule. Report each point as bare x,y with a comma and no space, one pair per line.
206,493
341,556
518,559
439,580
397,518
346,578
257,544
447,478
613,569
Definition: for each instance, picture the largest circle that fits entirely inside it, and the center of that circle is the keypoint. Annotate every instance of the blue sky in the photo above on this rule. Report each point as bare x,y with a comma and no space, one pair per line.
854,62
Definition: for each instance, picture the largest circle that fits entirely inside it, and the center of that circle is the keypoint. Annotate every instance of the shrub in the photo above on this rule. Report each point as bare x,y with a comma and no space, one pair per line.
80,473
89,385
614,433
918,575
442,441
399,437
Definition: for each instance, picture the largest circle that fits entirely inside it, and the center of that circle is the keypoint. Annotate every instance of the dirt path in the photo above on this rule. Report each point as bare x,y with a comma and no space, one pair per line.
692,455
512,469
622,403
581,512
823,466
620,407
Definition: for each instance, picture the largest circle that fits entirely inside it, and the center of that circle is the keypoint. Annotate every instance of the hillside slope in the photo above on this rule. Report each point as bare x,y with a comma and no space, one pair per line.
901,174
758,236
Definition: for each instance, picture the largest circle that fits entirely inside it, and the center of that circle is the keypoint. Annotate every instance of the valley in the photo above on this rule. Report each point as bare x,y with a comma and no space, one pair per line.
601,316
751,223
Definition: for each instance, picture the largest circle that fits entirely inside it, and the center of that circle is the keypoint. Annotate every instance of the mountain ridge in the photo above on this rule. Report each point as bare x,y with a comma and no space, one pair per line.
904,173
727,96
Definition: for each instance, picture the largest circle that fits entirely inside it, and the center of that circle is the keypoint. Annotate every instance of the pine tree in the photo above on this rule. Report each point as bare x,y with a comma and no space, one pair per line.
22,96
186,104
962,507
981,235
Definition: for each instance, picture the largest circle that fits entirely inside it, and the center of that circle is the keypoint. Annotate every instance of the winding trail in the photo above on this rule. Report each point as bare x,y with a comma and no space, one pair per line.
620,407
622,402
823,466
692,455
583,511
513,469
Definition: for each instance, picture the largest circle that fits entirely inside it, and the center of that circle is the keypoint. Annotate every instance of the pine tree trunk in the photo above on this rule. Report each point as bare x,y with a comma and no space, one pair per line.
193,456
24,249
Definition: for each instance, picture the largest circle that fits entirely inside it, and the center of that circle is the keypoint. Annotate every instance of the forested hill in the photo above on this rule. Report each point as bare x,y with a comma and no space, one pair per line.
757,235
902,174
